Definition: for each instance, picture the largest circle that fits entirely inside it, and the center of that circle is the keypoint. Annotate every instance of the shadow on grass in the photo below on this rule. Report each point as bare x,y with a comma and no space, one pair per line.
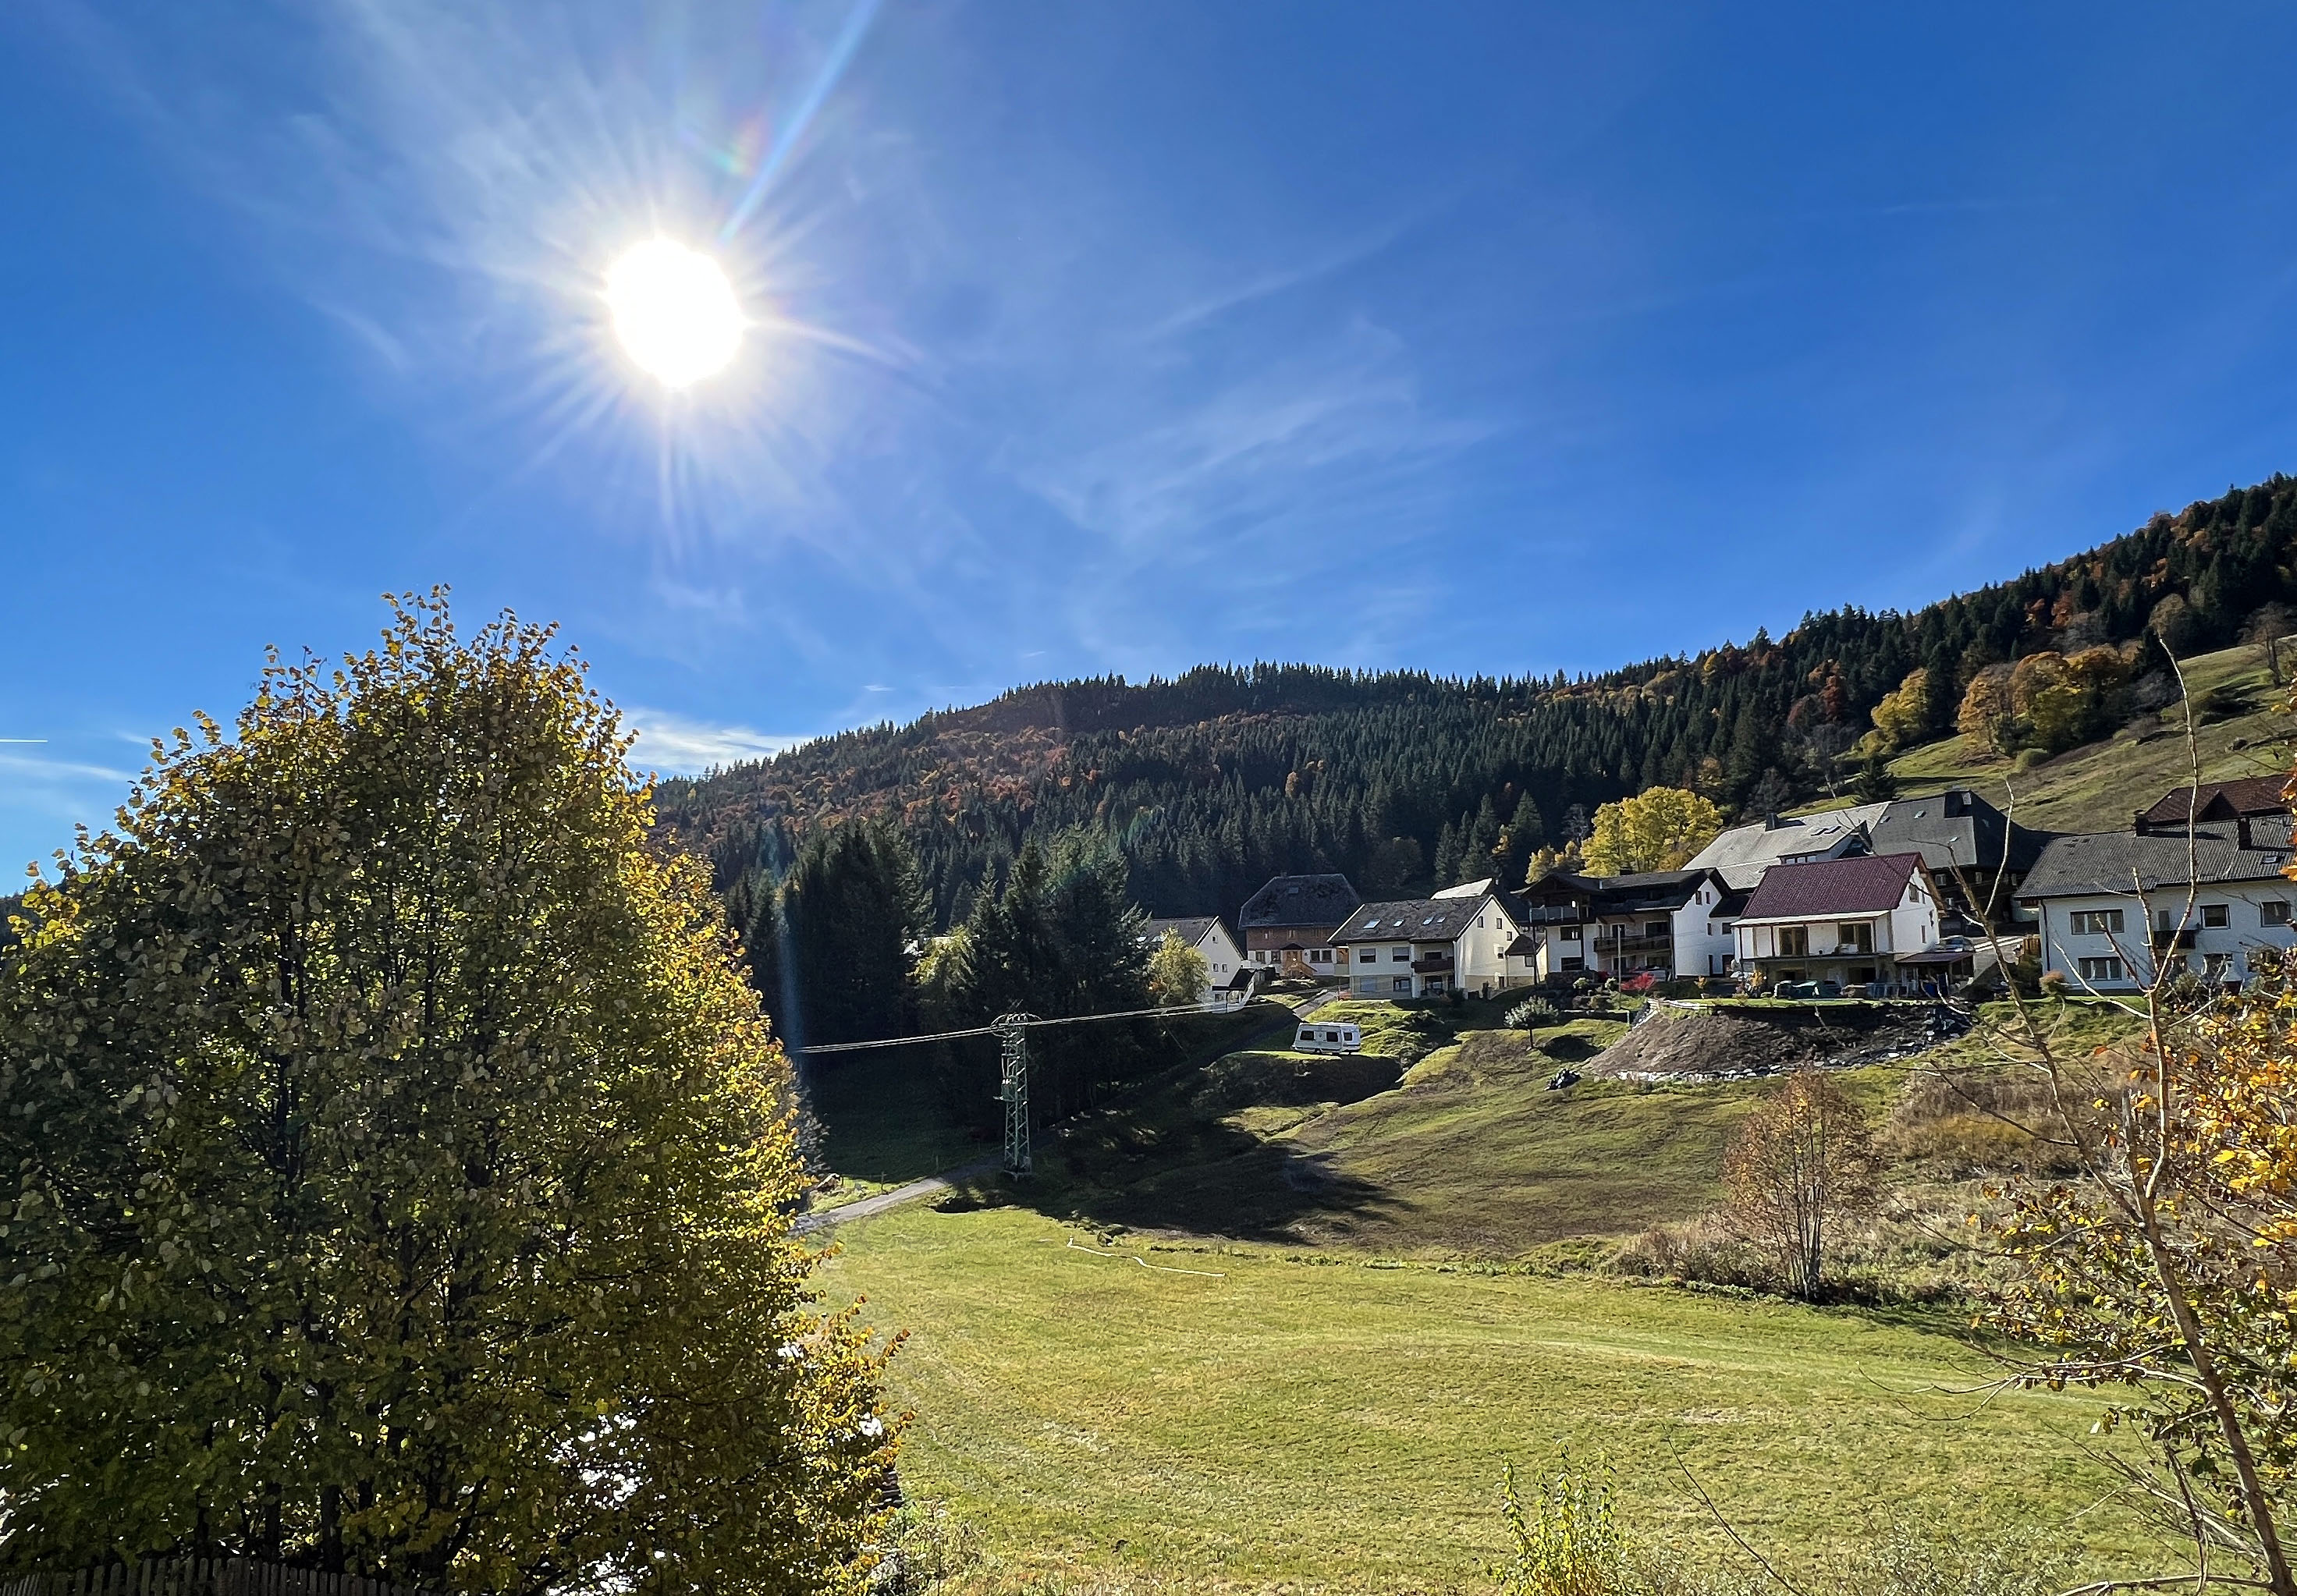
1172,1161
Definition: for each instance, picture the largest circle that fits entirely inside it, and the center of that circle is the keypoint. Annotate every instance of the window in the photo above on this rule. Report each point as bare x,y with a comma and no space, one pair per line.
1369,986
1401,984
2097,922
2215,918
1859,935
1794,942
1574,963
1399,955
1654,927
2215,966
2102,972
2273,911
1570,934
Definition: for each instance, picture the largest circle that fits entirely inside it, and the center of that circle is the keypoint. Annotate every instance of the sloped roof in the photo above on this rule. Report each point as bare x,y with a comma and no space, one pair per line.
1301,900
2087,864
1625,895
1955,828
1466,889
1741,854
1863,883
1650,890
1191,929
2221,800
1411,920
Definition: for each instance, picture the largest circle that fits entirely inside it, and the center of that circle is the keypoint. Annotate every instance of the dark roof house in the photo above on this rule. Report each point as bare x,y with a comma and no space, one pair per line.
2252,796
1647,892
1307,902
1954,829
2101,863
1862,884
1412,921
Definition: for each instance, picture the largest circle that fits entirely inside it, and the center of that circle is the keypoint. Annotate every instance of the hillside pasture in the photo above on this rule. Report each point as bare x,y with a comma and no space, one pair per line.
2097,786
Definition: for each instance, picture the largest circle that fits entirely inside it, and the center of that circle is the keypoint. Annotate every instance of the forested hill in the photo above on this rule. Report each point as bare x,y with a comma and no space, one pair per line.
1213,781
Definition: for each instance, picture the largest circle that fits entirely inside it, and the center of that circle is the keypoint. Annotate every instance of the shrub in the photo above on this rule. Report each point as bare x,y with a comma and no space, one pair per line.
1530,1012
2053,984
1566,1538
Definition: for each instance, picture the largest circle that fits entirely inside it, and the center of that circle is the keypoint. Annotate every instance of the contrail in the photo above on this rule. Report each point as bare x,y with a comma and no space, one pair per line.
840,54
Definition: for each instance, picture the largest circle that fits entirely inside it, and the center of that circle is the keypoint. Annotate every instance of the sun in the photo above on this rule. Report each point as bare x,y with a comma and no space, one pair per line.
675,312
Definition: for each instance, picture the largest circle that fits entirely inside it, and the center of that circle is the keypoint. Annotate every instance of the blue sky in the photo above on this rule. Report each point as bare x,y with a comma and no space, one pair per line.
1097,338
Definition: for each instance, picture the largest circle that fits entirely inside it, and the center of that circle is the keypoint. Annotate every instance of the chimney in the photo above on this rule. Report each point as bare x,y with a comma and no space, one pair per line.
1770,821
2241,832
2137,823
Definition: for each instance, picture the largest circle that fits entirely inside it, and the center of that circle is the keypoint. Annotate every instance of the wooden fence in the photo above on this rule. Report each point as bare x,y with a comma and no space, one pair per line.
200,1577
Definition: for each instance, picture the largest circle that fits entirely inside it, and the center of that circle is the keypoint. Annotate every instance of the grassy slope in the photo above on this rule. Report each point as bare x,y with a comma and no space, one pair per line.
2096,787
1273,1420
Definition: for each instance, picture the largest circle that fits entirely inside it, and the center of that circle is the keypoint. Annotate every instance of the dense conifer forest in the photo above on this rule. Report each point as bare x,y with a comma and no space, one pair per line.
1207,784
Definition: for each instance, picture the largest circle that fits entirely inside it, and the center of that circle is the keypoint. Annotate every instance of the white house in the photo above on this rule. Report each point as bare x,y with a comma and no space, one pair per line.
1853,920
1466,940
2110,904
1660,923
1228,979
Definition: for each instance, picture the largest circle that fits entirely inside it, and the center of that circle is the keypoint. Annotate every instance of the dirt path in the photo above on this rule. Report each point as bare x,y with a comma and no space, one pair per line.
821,1219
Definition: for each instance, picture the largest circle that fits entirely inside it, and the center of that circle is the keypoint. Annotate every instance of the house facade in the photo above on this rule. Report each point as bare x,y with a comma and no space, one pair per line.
1287,925
1228,977
1661,923
1976,855
1427,947
1856,920
2115,908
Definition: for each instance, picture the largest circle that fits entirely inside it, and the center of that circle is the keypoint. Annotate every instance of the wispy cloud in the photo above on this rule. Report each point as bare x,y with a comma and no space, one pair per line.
43,769
679,746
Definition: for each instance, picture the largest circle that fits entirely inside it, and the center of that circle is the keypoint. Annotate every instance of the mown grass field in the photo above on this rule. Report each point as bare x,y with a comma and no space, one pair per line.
1265,1420
2097,786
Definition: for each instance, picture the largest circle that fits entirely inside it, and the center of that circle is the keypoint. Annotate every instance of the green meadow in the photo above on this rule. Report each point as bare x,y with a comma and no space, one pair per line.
1242,1417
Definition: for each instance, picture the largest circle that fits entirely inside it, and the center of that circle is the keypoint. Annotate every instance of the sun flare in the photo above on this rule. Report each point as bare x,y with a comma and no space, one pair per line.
675,312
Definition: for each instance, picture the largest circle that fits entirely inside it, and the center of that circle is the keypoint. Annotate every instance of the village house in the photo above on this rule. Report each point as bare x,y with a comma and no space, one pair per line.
1660,923
2250,797
1228,978
1465,939
1976,855
2114,908
1288,925
1860,920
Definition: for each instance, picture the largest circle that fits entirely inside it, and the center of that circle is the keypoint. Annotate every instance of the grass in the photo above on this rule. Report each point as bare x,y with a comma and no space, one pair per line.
1255,1419
1469,1156
2096,787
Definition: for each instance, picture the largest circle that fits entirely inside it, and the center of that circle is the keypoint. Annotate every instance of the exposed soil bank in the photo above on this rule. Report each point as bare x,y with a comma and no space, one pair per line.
1730,1042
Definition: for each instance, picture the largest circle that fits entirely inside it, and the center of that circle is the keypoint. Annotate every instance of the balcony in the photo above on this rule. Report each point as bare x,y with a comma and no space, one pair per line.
1637,943
1432,964
2166,941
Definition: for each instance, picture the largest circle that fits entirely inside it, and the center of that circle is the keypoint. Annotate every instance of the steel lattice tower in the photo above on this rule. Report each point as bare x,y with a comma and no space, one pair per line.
1012,1032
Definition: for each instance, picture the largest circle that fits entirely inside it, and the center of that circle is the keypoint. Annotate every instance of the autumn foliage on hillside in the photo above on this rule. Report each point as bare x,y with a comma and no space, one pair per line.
1212,781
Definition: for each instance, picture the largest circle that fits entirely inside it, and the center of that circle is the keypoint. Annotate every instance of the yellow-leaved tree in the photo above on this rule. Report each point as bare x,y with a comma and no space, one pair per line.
1654,830
1177,974
400,1169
